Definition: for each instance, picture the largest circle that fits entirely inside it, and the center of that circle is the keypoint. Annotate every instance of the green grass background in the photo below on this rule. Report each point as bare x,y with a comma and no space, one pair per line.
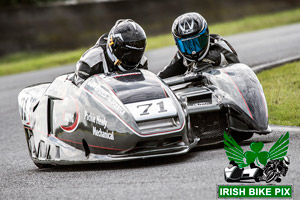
282,90
28,61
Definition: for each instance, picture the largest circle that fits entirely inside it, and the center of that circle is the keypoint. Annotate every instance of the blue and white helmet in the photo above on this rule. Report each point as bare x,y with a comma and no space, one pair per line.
191,35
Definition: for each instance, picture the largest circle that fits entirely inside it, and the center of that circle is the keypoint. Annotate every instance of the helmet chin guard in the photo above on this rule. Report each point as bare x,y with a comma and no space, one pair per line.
117,62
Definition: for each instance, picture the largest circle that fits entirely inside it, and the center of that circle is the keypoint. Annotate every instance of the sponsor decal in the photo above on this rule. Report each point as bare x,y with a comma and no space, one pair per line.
208,61
201,104
95,119
257,165
106,96
70,118
103,134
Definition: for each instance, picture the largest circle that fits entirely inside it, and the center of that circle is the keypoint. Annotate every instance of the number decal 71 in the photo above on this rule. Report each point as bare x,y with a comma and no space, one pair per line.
147,106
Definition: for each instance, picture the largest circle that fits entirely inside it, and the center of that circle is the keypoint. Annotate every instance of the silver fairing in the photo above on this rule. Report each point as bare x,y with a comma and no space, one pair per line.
116,117
100,122
227,99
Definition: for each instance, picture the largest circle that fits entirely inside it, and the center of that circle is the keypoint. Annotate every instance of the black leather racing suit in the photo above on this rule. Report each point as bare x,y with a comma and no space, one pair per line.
95,60
220,53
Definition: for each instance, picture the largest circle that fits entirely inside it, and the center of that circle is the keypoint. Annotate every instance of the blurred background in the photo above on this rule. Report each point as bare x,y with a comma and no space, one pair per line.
55,25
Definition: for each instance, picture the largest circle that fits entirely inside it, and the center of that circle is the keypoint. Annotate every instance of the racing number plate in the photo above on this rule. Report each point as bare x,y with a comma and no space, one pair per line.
153,109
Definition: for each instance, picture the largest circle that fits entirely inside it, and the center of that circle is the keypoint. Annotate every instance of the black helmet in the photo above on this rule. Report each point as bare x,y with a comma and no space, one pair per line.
286,160
191,35
126,44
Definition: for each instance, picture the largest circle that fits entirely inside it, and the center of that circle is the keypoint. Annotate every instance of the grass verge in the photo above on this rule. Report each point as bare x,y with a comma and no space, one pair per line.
282,90
22,62
28,61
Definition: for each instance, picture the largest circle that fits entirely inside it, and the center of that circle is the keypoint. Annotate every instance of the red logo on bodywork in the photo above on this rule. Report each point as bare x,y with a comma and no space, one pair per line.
66,116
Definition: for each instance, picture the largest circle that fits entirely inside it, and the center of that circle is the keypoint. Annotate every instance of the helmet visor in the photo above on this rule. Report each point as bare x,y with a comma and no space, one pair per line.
195,44
130,55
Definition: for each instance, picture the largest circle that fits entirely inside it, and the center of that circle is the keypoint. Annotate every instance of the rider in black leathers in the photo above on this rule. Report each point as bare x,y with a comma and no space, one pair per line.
280,165
274,169
120,50
197,49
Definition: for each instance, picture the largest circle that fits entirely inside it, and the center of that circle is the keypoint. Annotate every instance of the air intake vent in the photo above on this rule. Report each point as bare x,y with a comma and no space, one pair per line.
209,127
160,123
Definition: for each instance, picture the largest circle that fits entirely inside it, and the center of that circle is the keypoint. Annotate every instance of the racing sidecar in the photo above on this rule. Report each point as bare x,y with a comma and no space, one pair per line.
233,173
114,117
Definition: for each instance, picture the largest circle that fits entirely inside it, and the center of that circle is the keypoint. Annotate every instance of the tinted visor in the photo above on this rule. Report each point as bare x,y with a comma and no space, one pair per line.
130,54
194,44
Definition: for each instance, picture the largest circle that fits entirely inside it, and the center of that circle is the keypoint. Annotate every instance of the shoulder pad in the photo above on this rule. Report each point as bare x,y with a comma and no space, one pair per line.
215,37
92,56
102,40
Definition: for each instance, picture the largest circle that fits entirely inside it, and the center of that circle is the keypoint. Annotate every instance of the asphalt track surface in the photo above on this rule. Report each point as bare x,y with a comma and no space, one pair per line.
191,176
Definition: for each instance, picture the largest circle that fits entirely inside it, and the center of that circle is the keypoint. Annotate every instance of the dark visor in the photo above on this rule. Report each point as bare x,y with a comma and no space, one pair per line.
129,56
194,44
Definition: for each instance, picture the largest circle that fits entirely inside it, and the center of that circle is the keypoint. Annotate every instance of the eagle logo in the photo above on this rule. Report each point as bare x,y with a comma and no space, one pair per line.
243,159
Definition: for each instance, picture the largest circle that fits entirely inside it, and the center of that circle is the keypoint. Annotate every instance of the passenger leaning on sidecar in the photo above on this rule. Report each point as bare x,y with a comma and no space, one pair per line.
121,49
197,49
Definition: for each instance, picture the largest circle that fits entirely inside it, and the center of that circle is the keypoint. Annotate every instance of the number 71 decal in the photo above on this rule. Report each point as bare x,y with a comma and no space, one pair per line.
147,106
152,109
